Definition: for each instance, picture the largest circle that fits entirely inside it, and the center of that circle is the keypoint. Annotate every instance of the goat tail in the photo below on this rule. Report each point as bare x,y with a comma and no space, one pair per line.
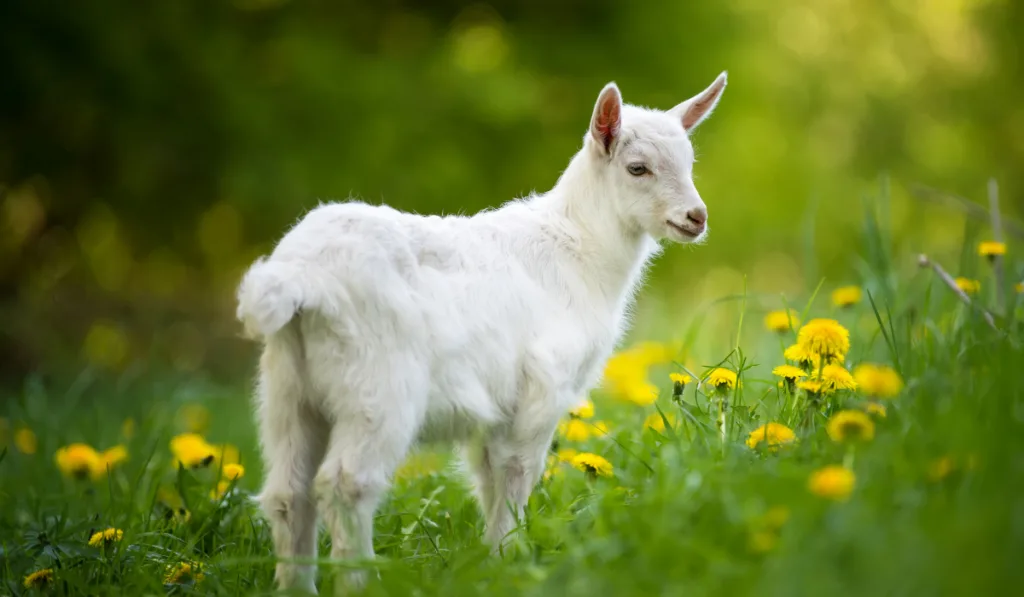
272,292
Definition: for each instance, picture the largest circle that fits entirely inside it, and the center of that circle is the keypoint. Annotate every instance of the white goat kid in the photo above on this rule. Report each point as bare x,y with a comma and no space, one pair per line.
382,328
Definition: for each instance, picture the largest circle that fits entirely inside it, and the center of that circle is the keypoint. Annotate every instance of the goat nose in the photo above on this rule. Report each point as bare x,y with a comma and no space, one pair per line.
698,215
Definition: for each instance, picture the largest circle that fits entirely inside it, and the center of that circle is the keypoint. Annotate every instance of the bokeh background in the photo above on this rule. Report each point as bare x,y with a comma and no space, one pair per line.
150,151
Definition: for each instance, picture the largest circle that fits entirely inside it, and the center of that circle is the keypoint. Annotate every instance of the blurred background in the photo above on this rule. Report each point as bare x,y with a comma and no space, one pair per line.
150,151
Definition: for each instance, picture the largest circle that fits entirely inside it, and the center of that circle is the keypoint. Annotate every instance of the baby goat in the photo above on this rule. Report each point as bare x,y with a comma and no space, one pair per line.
383,328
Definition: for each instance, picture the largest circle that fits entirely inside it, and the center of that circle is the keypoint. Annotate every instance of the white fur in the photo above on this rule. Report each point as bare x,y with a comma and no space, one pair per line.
382,328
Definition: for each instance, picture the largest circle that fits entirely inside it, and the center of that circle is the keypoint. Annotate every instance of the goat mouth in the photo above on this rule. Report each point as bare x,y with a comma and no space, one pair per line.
686,232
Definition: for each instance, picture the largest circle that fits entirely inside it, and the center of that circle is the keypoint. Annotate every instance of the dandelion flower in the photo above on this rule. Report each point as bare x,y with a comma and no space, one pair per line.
25,441
233,472
113,457
833,482
874,408
107,537
847,296
850,426
721,379
641,394
566,454
824,337
192,451
836,377
788,372
968,285
221,489
991,248
574,430
772,434
183,573
39,579
781,321
592,464
810,385
680,378
79,461
878,381
584,410
656,422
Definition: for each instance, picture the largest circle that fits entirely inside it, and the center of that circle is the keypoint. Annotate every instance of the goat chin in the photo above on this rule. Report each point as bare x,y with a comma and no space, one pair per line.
381,328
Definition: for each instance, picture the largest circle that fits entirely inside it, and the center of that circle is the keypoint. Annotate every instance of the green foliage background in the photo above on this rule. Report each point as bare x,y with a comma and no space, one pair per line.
149,151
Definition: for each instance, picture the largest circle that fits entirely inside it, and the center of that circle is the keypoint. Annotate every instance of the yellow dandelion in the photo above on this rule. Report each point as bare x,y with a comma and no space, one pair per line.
80,461
772,434
781,321
810,385
836,377
788,372
874,408
233,472
113,457
850,426
25,441
656,422
181,516
968,285
584,410
39,579
226,454
600,429
192,451
847,296
574,430
721,379
625,373
106,537
824,337
940,468
832,482
680,378
183,573
991,248
566,455
592,464
641,394
878,381
221,489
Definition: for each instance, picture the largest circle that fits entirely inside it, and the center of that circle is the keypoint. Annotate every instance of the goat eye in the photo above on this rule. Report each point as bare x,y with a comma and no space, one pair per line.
637,169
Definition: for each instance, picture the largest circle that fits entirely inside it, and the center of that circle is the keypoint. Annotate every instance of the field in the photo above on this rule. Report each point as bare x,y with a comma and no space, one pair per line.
891,464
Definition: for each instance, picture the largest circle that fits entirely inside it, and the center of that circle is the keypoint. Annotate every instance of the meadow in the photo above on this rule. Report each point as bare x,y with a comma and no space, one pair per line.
868,441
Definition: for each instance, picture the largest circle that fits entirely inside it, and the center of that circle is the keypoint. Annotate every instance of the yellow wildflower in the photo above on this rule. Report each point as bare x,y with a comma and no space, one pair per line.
107,537
824,337
192,451
625,373
584,410
39,579
566,454
847,296
183,573
80,461
195,417
772,434
25,441
940,468
788,372
233,472
593,464
836,377
781,321
656,422
220,490
642,394
991,248
680,378
833,482
968,286
113,457
226,454
850,425
574,430
874,408
721,379
810,385
878,381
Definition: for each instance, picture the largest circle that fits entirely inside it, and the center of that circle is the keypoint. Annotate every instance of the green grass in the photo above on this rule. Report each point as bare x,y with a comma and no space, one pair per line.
676,518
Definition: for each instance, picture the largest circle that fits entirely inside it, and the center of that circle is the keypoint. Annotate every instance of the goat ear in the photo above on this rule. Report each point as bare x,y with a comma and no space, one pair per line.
694,110
607,120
